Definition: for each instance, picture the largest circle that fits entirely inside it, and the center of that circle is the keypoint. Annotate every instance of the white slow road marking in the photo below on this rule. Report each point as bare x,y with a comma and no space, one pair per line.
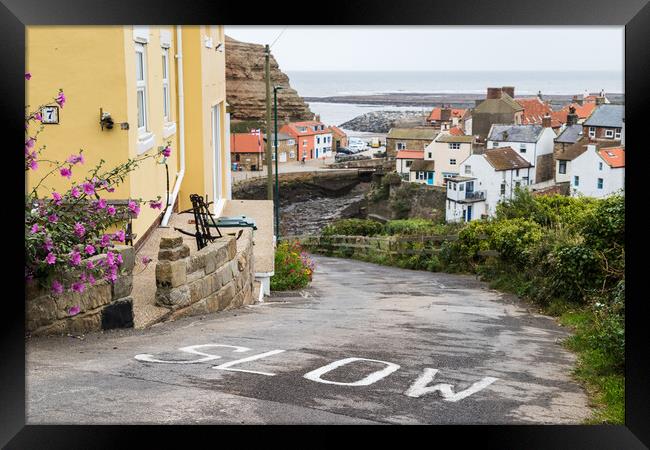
193,350
315,375
228,365
419,387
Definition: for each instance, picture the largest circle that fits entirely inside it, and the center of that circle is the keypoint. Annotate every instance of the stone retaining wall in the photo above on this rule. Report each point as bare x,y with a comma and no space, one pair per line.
102,306
215,278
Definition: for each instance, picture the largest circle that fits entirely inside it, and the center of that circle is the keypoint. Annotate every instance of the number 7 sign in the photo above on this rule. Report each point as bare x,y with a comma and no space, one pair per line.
50,114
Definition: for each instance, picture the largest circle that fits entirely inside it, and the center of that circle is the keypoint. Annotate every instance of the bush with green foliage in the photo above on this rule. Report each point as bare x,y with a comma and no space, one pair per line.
353,227
293,267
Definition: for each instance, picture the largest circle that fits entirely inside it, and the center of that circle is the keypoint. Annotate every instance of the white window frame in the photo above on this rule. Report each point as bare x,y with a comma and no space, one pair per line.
468,170
617,134
522,148
592,132
454,146
609,134
141,86
562,165
165,83
576,180
452,162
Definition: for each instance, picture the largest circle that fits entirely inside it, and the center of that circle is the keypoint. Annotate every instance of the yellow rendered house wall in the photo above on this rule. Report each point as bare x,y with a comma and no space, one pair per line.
88,64
205,87
149,180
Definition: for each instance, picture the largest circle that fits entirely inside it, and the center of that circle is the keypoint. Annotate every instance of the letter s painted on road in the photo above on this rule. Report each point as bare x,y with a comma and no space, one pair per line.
193,349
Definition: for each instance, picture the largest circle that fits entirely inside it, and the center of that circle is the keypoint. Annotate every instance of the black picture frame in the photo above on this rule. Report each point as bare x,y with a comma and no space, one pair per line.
633,14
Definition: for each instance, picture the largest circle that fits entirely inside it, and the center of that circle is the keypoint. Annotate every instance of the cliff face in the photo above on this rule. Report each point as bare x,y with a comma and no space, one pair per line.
246,89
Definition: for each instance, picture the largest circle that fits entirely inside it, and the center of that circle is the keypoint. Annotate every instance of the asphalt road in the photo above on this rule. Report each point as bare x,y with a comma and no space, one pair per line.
431,348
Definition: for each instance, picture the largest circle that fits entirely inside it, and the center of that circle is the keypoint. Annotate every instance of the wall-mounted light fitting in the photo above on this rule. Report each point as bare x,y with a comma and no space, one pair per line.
105,119
219,47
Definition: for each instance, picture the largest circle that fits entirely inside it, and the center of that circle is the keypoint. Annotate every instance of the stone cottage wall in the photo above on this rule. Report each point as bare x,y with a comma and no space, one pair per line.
102,306
215,278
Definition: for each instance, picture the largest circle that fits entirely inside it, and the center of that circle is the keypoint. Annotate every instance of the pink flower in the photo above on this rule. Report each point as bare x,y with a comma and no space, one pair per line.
105,241
91,279
28,75
90,265
110,210
75,192
110,259
60,99
75,258
50,258
79,229
38,116
78,287
29,143
167,152
153,204
110,189
88,188
35,228
120,235
53,218
74,310
90,250
101,204
65,172
74,159
119,259
134,207
57,198
57,287
145,260
33,164
47,245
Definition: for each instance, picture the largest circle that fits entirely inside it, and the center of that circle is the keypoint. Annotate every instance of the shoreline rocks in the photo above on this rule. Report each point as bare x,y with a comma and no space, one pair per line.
383,121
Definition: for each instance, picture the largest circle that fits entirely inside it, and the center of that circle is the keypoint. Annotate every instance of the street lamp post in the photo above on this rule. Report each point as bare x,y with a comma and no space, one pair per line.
275,139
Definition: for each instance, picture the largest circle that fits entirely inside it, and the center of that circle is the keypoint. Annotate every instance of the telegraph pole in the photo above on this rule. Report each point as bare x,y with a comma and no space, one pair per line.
269,158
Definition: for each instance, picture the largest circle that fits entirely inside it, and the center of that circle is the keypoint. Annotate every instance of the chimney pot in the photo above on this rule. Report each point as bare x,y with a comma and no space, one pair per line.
510,90
493,93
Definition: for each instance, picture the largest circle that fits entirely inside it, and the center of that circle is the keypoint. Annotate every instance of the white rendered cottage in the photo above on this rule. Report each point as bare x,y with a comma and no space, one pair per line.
448,151
598,172
484,180
404,160
532,142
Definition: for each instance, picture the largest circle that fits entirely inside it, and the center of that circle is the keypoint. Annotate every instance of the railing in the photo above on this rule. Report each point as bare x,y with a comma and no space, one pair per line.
475,195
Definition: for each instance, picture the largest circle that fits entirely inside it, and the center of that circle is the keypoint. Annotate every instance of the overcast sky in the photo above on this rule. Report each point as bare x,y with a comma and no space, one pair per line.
439,48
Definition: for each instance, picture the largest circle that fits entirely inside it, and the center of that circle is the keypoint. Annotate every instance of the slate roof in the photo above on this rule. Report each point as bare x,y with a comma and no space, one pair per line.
422,165
606,116
515,133
570,135
505,158
412,133
572,151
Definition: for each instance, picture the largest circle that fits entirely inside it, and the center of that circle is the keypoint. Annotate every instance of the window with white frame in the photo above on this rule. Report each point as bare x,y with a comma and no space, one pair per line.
468,170
600,166
452,162
609,134
141,83
495,144
562,167
454,145
401,146
617,135
576,180
430,155
503,189
421,176
599,185
165,83
592,132
291,142
522,148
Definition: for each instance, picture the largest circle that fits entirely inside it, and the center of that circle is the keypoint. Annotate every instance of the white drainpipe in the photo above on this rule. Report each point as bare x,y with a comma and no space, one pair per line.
181,123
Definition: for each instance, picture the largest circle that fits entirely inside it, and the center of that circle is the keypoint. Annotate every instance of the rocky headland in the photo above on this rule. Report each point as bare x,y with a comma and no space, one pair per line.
383,121
246,89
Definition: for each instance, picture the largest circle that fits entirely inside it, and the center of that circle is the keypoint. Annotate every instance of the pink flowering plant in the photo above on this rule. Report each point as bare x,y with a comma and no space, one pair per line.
67,245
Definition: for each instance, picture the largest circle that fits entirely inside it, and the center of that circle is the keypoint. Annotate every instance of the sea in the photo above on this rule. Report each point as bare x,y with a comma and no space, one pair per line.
339,83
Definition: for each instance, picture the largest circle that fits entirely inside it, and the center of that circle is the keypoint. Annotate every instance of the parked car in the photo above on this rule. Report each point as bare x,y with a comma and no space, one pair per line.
357,145
344,151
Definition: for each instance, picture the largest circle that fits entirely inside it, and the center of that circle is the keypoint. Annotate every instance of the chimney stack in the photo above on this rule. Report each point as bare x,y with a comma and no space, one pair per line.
317,117
493,93
600,100
445,114
510,90
539,95
577,99
572,117
546,121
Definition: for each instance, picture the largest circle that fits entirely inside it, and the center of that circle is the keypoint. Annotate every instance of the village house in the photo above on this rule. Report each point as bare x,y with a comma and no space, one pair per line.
313,138
499,107
408,138
444,117
142,82
598,172
448,151
247,151
605,123
422,172
533,142
569,144
535,109
404,160
485,180
287,148
339,138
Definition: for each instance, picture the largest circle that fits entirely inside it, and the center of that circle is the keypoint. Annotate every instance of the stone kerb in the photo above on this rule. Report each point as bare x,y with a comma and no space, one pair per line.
217,277
102,306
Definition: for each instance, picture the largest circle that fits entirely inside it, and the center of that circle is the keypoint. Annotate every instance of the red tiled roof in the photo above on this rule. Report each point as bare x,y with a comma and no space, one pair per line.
455,112
583,111
455,131
246,143
614,156
410,154
534,110
294,127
